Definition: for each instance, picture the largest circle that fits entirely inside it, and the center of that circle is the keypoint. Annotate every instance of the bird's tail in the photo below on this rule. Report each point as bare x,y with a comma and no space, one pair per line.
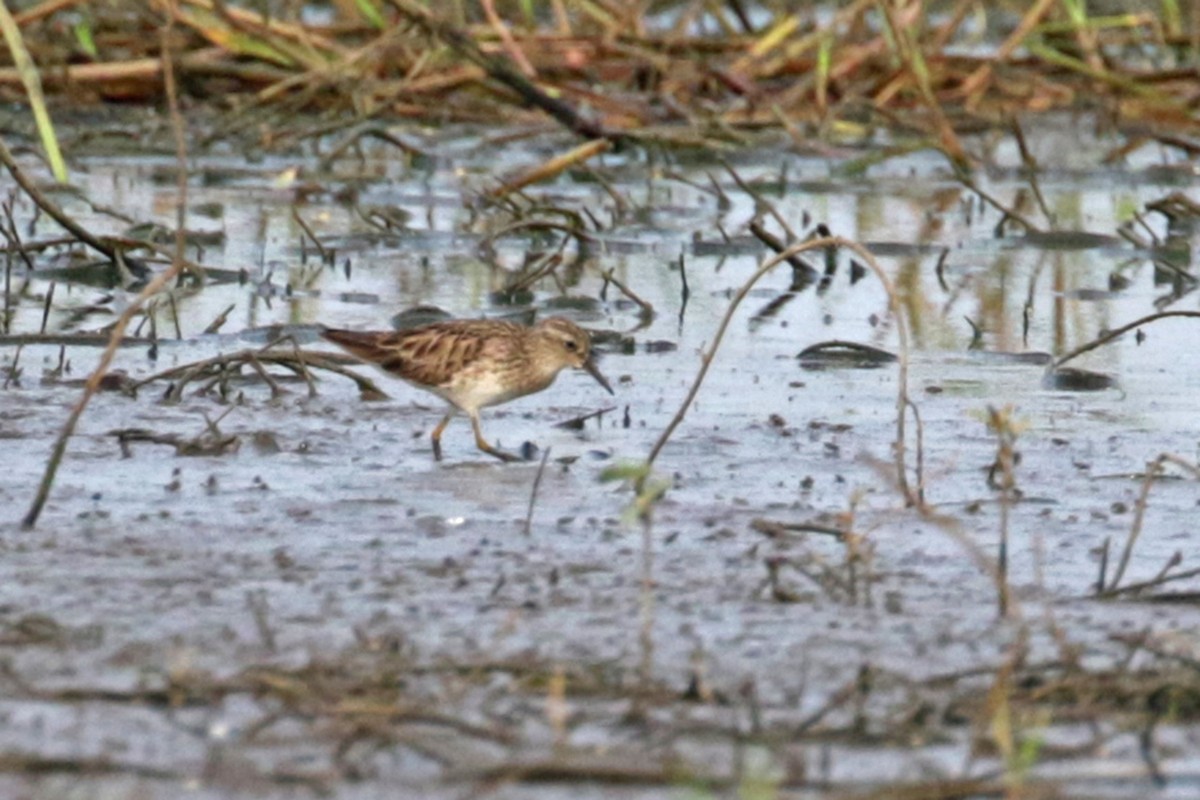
369,346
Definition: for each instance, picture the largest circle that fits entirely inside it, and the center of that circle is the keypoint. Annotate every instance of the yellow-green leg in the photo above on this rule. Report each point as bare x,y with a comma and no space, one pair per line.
482,444
436,436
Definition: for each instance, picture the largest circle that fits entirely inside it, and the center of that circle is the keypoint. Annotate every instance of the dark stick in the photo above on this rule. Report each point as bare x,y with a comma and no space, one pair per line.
8,292
684,291
502,71
52,208
1113,334
537,481
46,306
312,236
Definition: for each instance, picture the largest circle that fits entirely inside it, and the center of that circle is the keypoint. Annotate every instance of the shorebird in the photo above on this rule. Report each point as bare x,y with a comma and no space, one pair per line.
473,364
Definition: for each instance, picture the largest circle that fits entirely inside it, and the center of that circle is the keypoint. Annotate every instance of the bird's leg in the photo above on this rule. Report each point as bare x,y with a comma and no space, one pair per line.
436,436
482,444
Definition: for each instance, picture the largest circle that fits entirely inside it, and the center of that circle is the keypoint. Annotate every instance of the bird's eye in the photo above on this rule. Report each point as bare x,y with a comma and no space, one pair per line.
571,345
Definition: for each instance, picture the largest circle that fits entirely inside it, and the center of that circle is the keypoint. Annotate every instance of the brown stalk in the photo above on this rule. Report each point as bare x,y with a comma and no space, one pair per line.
506,39
297,360
156,285
551,168
1001,424
972,88
919,68
1108,336
646,310
533,492
52,208
1152,471
255,24
44,9
145,68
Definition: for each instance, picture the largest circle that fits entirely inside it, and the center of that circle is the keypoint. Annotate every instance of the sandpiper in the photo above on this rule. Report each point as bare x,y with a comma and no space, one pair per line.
473,363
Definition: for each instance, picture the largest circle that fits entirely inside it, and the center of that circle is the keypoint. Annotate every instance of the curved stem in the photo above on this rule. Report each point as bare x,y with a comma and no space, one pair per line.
1113,334
901,331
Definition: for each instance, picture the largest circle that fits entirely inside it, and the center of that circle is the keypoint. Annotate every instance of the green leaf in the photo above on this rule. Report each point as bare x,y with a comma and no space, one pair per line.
632,471
371,13
83,36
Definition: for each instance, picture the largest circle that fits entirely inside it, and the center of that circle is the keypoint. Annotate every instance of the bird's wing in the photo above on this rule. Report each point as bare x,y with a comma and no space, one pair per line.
430,355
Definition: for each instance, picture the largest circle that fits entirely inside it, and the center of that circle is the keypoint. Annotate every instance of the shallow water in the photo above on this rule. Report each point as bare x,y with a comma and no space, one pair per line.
331,537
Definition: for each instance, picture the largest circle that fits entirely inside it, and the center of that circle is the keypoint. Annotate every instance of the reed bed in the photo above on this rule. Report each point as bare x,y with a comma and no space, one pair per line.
700,73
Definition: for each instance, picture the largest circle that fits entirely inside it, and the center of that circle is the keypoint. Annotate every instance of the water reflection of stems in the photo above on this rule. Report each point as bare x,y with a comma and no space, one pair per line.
1153,472
1002,478
649,491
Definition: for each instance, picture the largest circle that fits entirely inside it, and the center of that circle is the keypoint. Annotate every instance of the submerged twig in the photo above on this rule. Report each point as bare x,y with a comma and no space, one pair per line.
297,360
533,492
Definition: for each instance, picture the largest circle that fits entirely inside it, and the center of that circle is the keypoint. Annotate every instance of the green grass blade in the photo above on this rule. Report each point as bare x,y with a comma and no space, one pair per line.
83,35
371,13
33,89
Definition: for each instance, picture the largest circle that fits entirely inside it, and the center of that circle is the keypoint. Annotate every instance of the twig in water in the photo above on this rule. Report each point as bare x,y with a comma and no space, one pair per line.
1102,578
1161,579
647,310
801,270
13,374
9,230
551,168
52,208
1113,334
220,319
298,361
916,412
576,423
174,315
1009,213
46,306
646,601
8,263
256,601
1002,425
537,481
761,204
1031,169
312,236
684,291
1152,471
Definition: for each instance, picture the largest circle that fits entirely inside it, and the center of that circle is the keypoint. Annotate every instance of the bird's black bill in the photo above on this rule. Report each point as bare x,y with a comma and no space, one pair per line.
595,373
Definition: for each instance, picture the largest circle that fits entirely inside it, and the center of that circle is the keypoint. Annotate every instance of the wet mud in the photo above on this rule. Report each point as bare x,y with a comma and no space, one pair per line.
263,588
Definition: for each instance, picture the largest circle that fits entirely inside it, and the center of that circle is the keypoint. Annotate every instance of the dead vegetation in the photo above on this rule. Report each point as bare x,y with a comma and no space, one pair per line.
687,72
479,721
697,74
